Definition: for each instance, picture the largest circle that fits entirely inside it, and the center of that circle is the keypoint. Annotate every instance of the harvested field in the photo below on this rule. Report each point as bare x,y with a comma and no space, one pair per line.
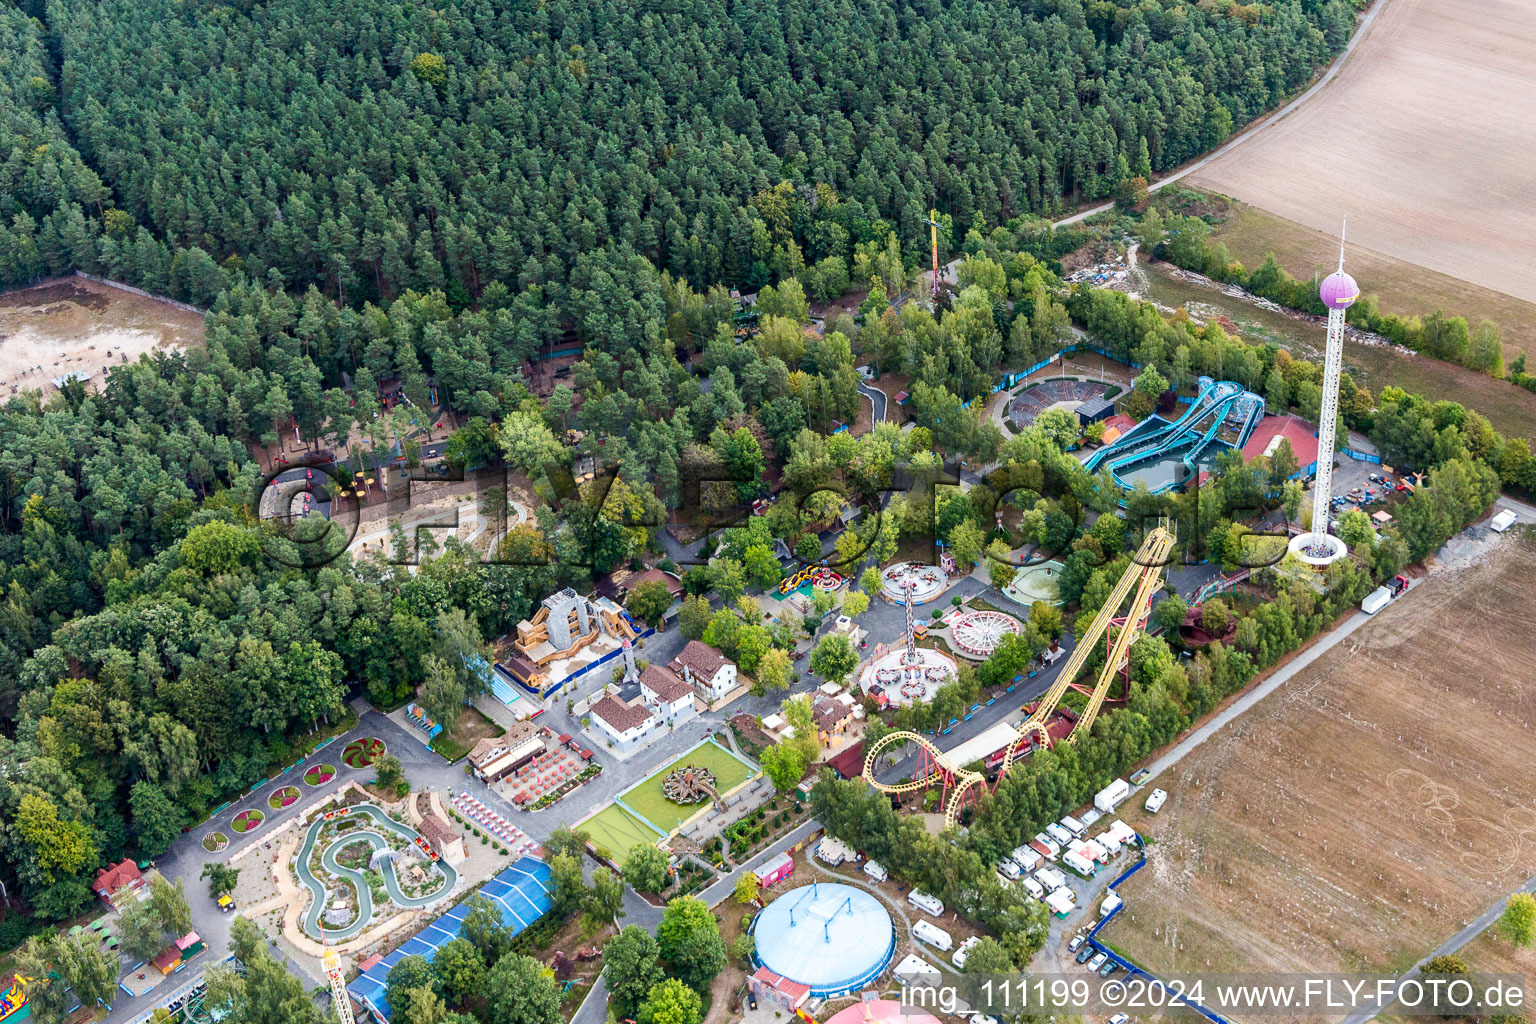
1368,809
79,326
1417,139
1402,287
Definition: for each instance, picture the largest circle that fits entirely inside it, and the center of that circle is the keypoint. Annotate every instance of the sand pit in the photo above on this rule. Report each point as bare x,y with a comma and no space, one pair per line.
1419,138
76,326
1365,811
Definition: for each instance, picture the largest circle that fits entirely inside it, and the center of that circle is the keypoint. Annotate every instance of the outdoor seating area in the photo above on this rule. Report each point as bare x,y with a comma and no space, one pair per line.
101,929
545,774
1031,403
490,821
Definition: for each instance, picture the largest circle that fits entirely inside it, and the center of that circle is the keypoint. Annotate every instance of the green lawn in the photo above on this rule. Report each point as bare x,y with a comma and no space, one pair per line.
647,799
614,830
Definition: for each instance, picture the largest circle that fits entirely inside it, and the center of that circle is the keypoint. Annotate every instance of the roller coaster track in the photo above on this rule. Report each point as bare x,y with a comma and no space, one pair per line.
1144,576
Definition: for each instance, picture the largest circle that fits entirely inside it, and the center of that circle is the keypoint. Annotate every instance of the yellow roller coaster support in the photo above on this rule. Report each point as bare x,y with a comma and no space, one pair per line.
1144,576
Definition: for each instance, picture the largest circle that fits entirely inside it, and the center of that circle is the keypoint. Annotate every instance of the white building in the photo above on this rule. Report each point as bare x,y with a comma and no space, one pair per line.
621,722
669,696
709,672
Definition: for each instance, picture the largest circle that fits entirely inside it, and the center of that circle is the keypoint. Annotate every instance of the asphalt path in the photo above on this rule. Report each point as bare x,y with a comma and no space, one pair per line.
876,397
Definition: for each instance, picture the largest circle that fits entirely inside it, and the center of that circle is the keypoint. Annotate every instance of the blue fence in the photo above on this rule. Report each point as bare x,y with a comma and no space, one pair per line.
586,670
1360,456
1133,969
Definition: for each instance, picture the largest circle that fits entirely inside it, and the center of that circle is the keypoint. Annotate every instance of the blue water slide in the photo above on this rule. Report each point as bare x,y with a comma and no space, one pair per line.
1146,443
1214,400
1247,405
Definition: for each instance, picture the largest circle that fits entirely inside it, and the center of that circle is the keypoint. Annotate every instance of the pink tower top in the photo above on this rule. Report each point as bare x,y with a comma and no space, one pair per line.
1339,291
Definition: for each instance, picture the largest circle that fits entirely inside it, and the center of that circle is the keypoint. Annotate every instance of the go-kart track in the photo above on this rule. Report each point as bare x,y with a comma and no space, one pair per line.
976,634
376,841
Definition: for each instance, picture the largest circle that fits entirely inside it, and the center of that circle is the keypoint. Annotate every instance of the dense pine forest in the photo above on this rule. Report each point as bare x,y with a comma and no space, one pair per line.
374,146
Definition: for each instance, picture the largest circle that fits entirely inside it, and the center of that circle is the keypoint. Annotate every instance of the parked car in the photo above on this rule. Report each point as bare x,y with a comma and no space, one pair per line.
1119,1018
1156,800
1084,953
1108,969
1097,961
1075,944
751,999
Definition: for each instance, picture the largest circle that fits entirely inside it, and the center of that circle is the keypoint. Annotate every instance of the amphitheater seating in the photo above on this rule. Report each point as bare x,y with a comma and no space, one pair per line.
1031,403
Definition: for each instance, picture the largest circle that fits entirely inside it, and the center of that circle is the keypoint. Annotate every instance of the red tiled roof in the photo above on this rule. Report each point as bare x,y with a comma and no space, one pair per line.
623,717
828,713
626,580
849,763
1120,421
794,989
1301,434
109,880
702,658
664,683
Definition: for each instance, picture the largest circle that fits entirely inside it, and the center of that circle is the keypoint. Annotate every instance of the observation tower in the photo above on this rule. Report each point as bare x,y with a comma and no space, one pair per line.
1319,547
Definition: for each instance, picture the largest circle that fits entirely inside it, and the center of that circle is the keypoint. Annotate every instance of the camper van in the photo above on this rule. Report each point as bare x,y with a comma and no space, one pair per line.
933,935
1077,861
1051,878
1074,826
1052,848
1034,888
1008,869
1156,800
1027,859
1059,834
930,905
875,870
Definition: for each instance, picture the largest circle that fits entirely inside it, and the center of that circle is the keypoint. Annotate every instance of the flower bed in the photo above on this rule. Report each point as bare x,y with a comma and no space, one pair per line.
213,842
319,774
361,753
248,821
285,797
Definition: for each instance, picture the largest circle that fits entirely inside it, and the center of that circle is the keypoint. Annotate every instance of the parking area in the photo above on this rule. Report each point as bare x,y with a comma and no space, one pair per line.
1361,485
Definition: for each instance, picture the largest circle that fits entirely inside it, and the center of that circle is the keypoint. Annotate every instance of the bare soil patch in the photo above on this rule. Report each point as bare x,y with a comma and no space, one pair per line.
82,327
1366,810
1416,139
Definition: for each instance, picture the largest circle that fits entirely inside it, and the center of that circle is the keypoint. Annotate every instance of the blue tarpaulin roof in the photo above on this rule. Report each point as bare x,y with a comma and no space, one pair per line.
522,892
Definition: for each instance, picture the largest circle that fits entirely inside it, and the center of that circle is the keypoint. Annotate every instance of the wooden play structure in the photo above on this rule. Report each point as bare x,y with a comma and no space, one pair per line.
563,625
